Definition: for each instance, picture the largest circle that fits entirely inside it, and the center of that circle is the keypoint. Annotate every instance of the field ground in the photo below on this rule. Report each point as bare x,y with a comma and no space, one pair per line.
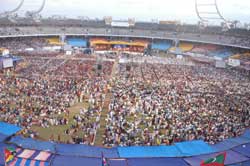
45,133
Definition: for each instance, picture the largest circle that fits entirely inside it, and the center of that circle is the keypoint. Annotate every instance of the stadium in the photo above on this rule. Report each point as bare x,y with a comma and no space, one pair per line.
123,92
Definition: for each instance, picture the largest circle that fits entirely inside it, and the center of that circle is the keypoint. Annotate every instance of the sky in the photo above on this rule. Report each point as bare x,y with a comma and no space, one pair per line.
141,10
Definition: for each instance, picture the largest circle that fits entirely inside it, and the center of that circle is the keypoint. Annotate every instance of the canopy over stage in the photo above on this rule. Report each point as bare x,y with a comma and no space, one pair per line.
133,46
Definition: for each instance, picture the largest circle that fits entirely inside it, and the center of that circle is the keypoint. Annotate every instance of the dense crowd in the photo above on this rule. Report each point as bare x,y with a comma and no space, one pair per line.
39,91
157,104
155,100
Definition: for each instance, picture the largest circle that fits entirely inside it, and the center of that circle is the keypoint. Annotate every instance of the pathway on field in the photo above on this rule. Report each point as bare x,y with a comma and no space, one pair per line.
101,131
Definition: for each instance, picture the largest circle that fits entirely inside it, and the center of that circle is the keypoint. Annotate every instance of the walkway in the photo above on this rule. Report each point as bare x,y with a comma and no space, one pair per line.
101,131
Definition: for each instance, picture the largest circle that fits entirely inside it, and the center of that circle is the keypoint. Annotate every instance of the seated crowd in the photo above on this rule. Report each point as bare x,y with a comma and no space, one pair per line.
40,90
154,100
156,104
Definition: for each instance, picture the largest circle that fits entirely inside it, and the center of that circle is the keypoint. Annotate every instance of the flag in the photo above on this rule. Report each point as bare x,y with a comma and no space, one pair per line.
9,154
104,161
216,161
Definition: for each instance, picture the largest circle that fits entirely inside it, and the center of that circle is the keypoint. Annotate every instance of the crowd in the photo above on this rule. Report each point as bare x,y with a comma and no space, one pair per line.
156,104
40,90
155,100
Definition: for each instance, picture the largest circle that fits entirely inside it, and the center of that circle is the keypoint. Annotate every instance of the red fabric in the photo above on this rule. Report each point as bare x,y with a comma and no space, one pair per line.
212,164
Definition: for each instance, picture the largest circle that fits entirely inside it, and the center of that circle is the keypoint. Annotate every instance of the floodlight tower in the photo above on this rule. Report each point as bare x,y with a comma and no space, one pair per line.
11,15
35,14
209,12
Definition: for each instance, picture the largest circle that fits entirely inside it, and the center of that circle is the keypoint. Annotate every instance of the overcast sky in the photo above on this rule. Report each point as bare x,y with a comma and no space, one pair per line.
183,10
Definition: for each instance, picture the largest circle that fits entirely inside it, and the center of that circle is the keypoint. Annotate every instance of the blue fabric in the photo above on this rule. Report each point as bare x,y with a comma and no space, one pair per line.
2,147
27,163
225,145
76,42
157,162
3,137
18,162
243,149
37,163
117,162
161,46
240,140
29,143
246,163
192,148
86,151
246,134
221,53
76,161
231,158
148,151
8,129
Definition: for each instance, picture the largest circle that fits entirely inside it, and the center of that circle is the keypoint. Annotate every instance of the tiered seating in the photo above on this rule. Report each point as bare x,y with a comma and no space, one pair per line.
186,46
243,57
183,47
77,42
222,53
204,48
163,46
54,41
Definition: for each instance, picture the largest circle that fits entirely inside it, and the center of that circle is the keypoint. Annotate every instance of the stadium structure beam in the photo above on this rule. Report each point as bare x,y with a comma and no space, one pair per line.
208,15
35,14
8,13
212,5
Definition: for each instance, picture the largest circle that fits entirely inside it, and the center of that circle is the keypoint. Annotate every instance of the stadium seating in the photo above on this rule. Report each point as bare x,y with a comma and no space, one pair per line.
203,48
222,53
77,42
163,46
186,46
54,41
183,47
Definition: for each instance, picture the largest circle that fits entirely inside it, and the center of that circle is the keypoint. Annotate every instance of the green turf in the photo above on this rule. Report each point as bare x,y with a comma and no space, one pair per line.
45,133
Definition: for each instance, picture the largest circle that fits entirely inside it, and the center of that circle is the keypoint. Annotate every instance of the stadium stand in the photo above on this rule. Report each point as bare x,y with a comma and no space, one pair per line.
54,41
77,42
222,53
212,35
163,46
182,153
184,46
204,48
